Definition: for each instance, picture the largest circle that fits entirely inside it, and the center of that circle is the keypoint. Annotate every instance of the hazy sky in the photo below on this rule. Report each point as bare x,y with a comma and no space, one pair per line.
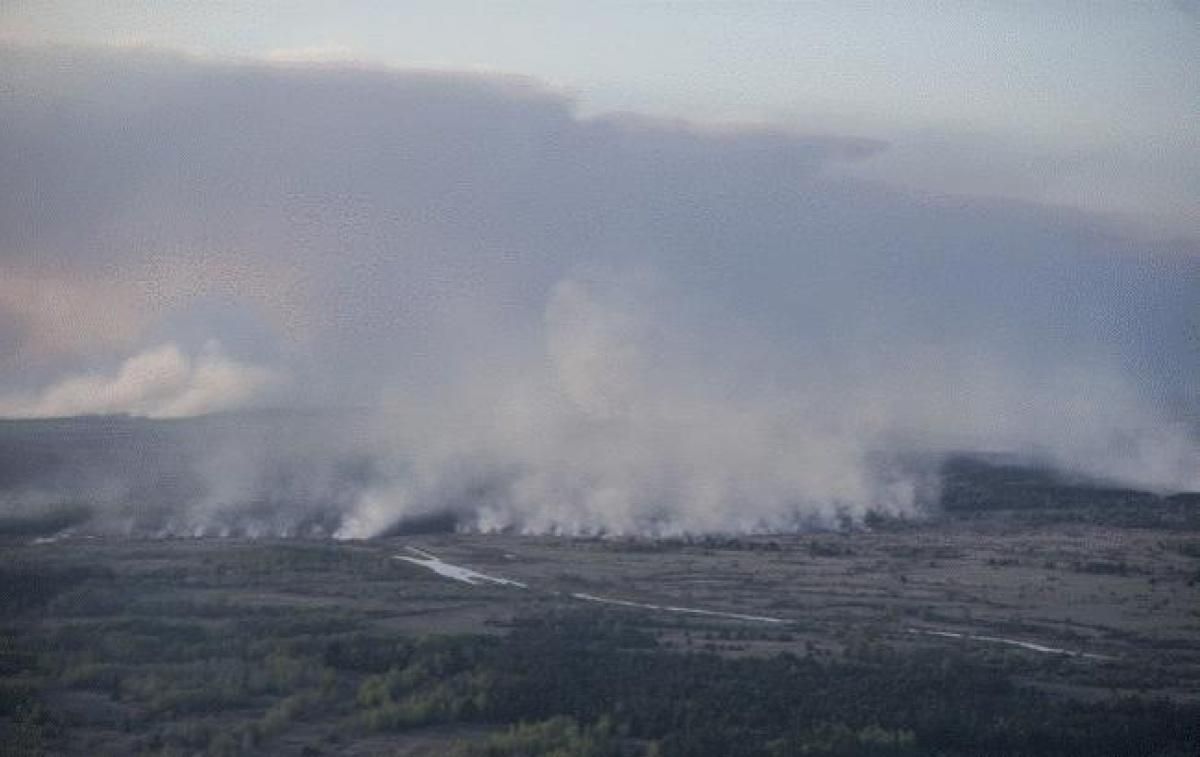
1090,103
714,265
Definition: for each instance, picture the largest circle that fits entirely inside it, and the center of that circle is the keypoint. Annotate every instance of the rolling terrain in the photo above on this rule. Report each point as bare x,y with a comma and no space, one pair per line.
1027,614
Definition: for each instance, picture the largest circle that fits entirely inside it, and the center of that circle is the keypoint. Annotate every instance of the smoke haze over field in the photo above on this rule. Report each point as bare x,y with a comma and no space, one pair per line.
558,323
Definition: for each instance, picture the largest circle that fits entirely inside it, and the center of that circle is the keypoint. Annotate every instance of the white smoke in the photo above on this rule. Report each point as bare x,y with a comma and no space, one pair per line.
620,431
162,382
769,342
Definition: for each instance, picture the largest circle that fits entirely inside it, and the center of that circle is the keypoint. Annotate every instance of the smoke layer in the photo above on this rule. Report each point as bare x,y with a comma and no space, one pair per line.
558,323
159,383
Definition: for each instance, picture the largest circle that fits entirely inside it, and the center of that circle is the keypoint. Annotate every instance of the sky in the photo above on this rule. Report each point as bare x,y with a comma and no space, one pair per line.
1089,104
615,266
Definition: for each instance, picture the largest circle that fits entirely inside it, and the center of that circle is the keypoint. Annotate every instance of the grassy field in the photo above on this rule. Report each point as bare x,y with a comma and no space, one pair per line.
231,646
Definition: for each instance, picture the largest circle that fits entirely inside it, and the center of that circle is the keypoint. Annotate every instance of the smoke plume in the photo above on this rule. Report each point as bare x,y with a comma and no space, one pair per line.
549,322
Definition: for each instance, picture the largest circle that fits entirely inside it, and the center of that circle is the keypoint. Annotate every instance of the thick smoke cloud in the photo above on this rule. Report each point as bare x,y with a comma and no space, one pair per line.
604,324
159,383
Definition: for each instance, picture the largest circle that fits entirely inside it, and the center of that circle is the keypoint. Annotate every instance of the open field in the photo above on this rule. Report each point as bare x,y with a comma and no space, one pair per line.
173,646
1131,595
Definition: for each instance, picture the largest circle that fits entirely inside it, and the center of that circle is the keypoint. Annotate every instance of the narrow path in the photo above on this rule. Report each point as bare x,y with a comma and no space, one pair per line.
455,572
473,577
668,608
1031,646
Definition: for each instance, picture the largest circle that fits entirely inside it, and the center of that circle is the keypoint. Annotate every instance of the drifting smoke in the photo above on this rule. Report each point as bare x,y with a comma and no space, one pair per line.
613,325
159,383
622,430
610,433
